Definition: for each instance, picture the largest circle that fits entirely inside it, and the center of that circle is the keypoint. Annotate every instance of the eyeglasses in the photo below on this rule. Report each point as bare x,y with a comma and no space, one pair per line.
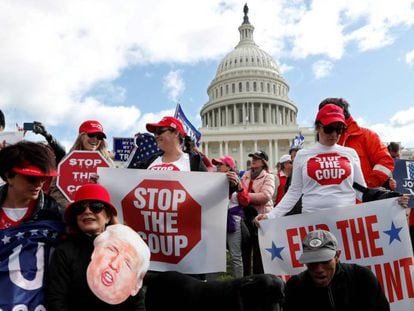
94,207
98,136
329,129
160,130
35,179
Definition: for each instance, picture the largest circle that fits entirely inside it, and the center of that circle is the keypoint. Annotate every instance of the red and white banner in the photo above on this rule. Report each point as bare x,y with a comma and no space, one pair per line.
182,216
373,234
76,170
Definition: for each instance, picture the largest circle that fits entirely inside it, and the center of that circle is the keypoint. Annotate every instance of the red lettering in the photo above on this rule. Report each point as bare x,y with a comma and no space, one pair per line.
393,281
373,235
358,236
342,226
293,247
406,263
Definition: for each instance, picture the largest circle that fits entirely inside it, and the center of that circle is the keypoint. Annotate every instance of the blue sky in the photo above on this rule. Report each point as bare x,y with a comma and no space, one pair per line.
129,62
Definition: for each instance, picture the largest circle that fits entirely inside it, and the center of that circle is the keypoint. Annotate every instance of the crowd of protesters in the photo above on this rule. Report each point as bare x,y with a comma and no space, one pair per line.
27,169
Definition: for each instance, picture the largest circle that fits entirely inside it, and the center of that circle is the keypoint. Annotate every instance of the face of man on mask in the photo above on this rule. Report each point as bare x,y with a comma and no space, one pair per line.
113,273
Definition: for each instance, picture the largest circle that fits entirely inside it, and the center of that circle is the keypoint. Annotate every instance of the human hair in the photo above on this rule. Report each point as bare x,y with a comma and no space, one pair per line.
103,146
393,147
340,102
2,121
128,235
26,153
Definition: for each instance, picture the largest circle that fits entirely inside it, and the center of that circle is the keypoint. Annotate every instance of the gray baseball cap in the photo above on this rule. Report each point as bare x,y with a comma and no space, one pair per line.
318,246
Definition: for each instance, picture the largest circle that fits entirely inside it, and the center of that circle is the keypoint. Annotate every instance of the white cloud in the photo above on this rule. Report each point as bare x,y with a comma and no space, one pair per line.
399,128
409,58
322,68
56,53
174,84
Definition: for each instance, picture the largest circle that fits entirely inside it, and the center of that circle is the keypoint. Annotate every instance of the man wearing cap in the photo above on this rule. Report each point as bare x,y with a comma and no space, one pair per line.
261,187
239,199
30,223
328,284
282,176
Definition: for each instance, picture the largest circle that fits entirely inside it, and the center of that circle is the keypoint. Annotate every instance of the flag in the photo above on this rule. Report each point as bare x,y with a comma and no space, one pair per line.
297,142
189,128
24,254
145,146
410,170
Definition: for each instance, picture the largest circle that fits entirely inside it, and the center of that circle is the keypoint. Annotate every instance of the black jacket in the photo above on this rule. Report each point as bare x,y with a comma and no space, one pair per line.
66,285
46,207
353,288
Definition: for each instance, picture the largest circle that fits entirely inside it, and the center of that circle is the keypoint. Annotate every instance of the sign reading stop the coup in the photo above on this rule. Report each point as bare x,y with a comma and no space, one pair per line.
76,170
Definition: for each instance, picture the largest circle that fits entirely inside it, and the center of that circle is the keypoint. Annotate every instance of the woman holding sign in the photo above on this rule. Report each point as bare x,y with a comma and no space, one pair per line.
91,137
170,135
95,269
325,173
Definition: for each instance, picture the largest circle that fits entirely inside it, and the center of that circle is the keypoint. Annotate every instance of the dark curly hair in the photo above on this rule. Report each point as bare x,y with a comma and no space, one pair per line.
26,153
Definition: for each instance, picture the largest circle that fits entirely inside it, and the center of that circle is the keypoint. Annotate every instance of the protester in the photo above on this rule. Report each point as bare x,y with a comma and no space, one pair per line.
170,134
25,211
91,137
58,149
66,285
328,284
261,186
325,172
239,199
376,162
282,175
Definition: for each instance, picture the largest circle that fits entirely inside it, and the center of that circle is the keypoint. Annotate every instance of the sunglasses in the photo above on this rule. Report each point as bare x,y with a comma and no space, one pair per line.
329,129
98,136
160,130
35,179
94,207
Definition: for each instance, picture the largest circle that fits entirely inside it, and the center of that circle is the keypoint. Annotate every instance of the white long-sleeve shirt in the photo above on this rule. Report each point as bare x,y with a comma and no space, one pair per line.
324,175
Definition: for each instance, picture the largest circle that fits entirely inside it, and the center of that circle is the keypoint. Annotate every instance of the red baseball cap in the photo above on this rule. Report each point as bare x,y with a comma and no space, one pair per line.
226,160
167,122
91,126
330,113
32,170
95,192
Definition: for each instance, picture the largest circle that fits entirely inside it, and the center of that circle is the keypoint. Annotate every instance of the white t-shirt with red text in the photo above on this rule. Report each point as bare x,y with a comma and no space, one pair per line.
182,164
324,174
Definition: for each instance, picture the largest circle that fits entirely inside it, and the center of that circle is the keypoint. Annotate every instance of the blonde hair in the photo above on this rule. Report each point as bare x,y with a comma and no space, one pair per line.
103,147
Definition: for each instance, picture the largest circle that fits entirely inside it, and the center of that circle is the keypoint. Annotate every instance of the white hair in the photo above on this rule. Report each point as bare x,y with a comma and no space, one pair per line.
127,234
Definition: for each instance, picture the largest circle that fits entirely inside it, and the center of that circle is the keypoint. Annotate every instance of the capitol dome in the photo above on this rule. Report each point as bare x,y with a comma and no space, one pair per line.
248,105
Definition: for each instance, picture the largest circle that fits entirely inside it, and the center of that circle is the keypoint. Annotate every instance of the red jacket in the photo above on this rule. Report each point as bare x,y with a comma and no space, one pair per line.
376,162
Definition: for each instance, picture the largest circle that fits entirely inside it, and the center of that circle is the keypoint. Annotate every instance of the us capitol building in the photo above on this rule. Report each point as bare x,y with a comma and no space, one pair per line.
248,107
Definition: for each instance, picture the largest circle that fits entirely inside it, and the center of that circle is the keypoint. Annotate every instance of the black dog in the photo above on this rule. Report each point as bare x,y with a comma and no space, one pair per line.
176,291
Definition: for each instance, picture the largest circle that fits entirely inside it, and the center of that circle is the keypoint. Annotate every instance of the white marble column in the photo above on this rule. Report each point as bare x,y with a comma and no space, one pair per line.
271,159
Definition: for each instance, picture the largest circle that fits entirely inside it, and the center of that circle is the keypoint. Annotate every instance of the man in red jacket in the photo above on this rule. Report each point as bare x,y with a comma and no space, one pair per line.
376,162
